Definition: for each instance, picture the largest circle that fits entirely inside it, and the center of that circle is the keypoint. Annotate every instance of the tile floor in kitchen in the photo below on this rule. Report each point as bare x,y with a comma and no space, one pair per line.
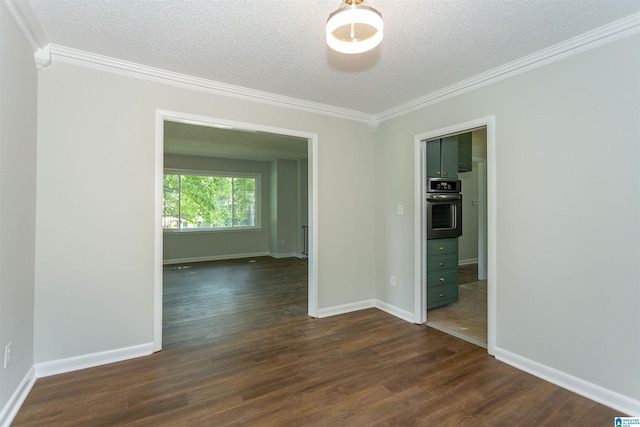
466,318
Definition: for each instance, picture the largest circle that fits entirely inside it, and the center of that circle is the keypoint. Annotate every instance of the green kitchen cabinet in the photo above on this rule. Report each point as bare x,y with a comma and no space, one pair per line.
442,272
442,158
464,152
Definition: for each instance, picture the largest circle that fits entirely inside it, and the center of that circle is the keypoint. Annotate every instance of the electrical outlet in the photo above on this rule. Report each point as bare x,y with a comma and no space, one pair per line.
392,280
7,355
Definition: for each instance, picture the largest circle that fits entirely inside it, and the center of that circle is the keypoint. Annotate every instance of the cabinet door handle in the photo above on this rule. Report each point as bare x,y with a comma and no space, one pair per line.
437,172
445,174
441,248
442,264
441,295
442,279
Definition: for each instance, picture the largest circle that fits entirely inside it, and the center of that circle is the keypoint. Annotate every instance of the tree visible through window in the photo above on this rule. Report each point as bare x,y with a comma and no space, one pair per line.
197,201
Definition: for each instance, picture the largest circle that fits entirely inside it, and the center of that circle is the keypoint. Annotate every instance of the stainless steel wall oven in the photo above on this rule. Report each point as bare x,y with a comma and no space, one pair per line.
444,208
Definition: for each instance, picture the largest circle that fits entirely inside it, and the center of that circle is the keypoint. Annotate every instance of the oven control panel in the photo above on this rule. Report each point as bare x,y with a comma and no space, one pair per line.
443,185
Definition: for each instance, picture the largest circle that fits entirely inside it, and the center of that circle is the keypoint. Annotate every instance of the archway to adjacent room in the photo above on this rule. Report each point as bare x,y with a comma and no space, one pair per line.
167,122
481,282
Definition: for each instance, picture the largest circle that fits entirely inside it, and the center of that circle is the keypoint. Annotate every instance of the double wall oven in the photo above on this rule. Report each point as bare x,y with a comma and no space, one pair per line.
444,208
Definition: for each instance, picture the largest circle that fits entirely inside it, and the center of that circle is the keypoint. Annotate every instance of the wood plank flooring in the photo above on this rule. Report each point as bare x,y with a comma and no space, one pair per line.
240,350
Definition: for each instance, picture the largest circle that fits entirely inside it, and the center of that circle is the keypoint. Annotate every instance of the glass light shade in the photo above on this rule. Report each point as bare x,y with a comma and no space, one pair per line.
350,16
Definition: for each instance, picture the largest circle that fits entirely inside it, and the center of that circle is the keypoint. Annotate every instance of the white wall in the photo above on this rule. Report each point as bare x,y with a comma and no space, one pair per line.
18,85
567,230
94,280
200,246
468,242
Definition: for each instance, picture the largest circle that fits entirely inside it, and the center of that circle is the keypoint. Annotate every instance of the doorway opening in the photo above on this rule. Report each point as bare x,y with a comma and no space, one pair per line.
455,289
215,148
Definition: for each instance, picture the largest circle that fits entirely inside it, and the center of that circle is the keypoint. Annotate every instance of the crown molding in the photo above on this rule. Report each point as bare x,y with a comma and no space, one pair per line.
66,54
605,34
30,27
45,53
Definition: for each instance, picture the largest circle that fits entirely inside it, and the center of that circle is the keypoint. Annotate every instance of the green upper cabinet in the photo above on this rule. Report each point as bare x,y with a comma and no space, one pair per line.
433,159
464,152
449,154
442,158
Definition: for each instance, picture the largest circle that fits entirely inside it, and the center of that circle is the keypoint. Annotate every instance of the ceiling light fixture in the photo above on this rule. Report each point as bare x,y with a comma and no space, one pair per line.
354,27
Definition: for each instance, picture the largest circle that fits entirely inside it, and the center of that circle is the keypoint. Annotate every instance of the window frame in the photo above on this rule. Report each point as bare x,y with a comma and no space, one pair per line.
218,174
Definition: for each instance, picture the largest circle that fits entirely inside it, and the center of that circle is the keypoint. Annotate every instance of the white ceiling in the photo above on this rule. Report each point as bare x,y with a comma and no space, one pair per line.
278,46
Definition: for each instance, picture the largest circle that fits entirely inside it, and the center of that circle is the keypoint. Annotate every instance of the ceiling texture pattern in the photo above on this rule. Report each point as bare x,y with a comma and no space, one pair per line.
276,50
278,46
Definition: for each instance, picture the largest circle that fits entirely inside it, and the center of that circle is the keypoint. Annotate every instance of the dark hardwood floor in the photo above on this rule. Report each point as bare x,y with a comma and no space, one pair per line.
240,350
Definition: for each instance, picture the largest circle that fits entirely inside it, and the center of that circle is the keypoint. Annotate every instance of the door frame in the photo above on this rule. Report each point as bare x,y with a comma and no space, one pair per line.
420,312
312,147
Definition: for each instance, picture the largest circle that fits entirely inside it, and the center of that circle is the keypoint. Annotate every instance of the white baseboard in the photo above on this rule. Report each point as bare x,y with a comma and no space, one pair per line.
395,311
76,363
289,255
468,261
345,308
363,305
213,258
610,398
231,256
8,413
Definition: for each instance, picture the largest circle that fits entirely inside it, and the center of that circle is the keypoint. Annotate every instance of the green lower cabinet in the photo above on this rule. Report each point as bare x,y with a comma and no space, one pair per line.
442,295
442,278
442,262
442,272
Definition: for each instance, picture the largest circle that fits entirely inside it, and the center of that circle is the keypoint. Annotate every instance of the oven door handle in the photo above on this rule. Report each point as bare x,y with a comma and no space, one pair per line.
443,197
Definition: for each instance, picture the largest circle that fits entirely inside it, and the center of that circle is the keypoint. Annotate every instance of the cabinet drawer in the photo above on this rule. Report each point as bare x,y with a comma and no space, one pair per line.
441,278
441,262
442,246
442,295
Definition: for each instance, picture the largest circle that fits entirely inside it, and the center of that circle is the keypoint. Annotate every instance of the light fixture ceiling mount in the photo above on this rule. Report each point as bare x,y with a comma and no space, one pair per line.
354,27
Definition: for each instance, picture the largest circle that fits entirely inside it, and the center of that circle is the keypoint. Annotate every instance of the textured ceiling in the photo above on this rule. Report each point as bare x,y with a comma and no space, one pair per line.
278,46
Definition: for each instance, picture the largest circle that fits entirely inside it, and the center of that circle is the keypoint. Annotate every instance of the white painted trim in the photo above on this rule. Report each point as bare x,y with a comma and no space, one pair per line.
366,304
419,238
492,230
158,238
215,258
419,232
45,53
18,397
75,363
610,398
285,255
161,116
28,24
468,261
592,39
395,311
346,308
131,69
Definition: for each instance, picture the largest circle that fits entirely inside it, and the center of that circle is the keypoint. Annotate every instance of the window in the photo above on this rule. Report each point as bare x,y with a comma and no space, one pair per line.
208,201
